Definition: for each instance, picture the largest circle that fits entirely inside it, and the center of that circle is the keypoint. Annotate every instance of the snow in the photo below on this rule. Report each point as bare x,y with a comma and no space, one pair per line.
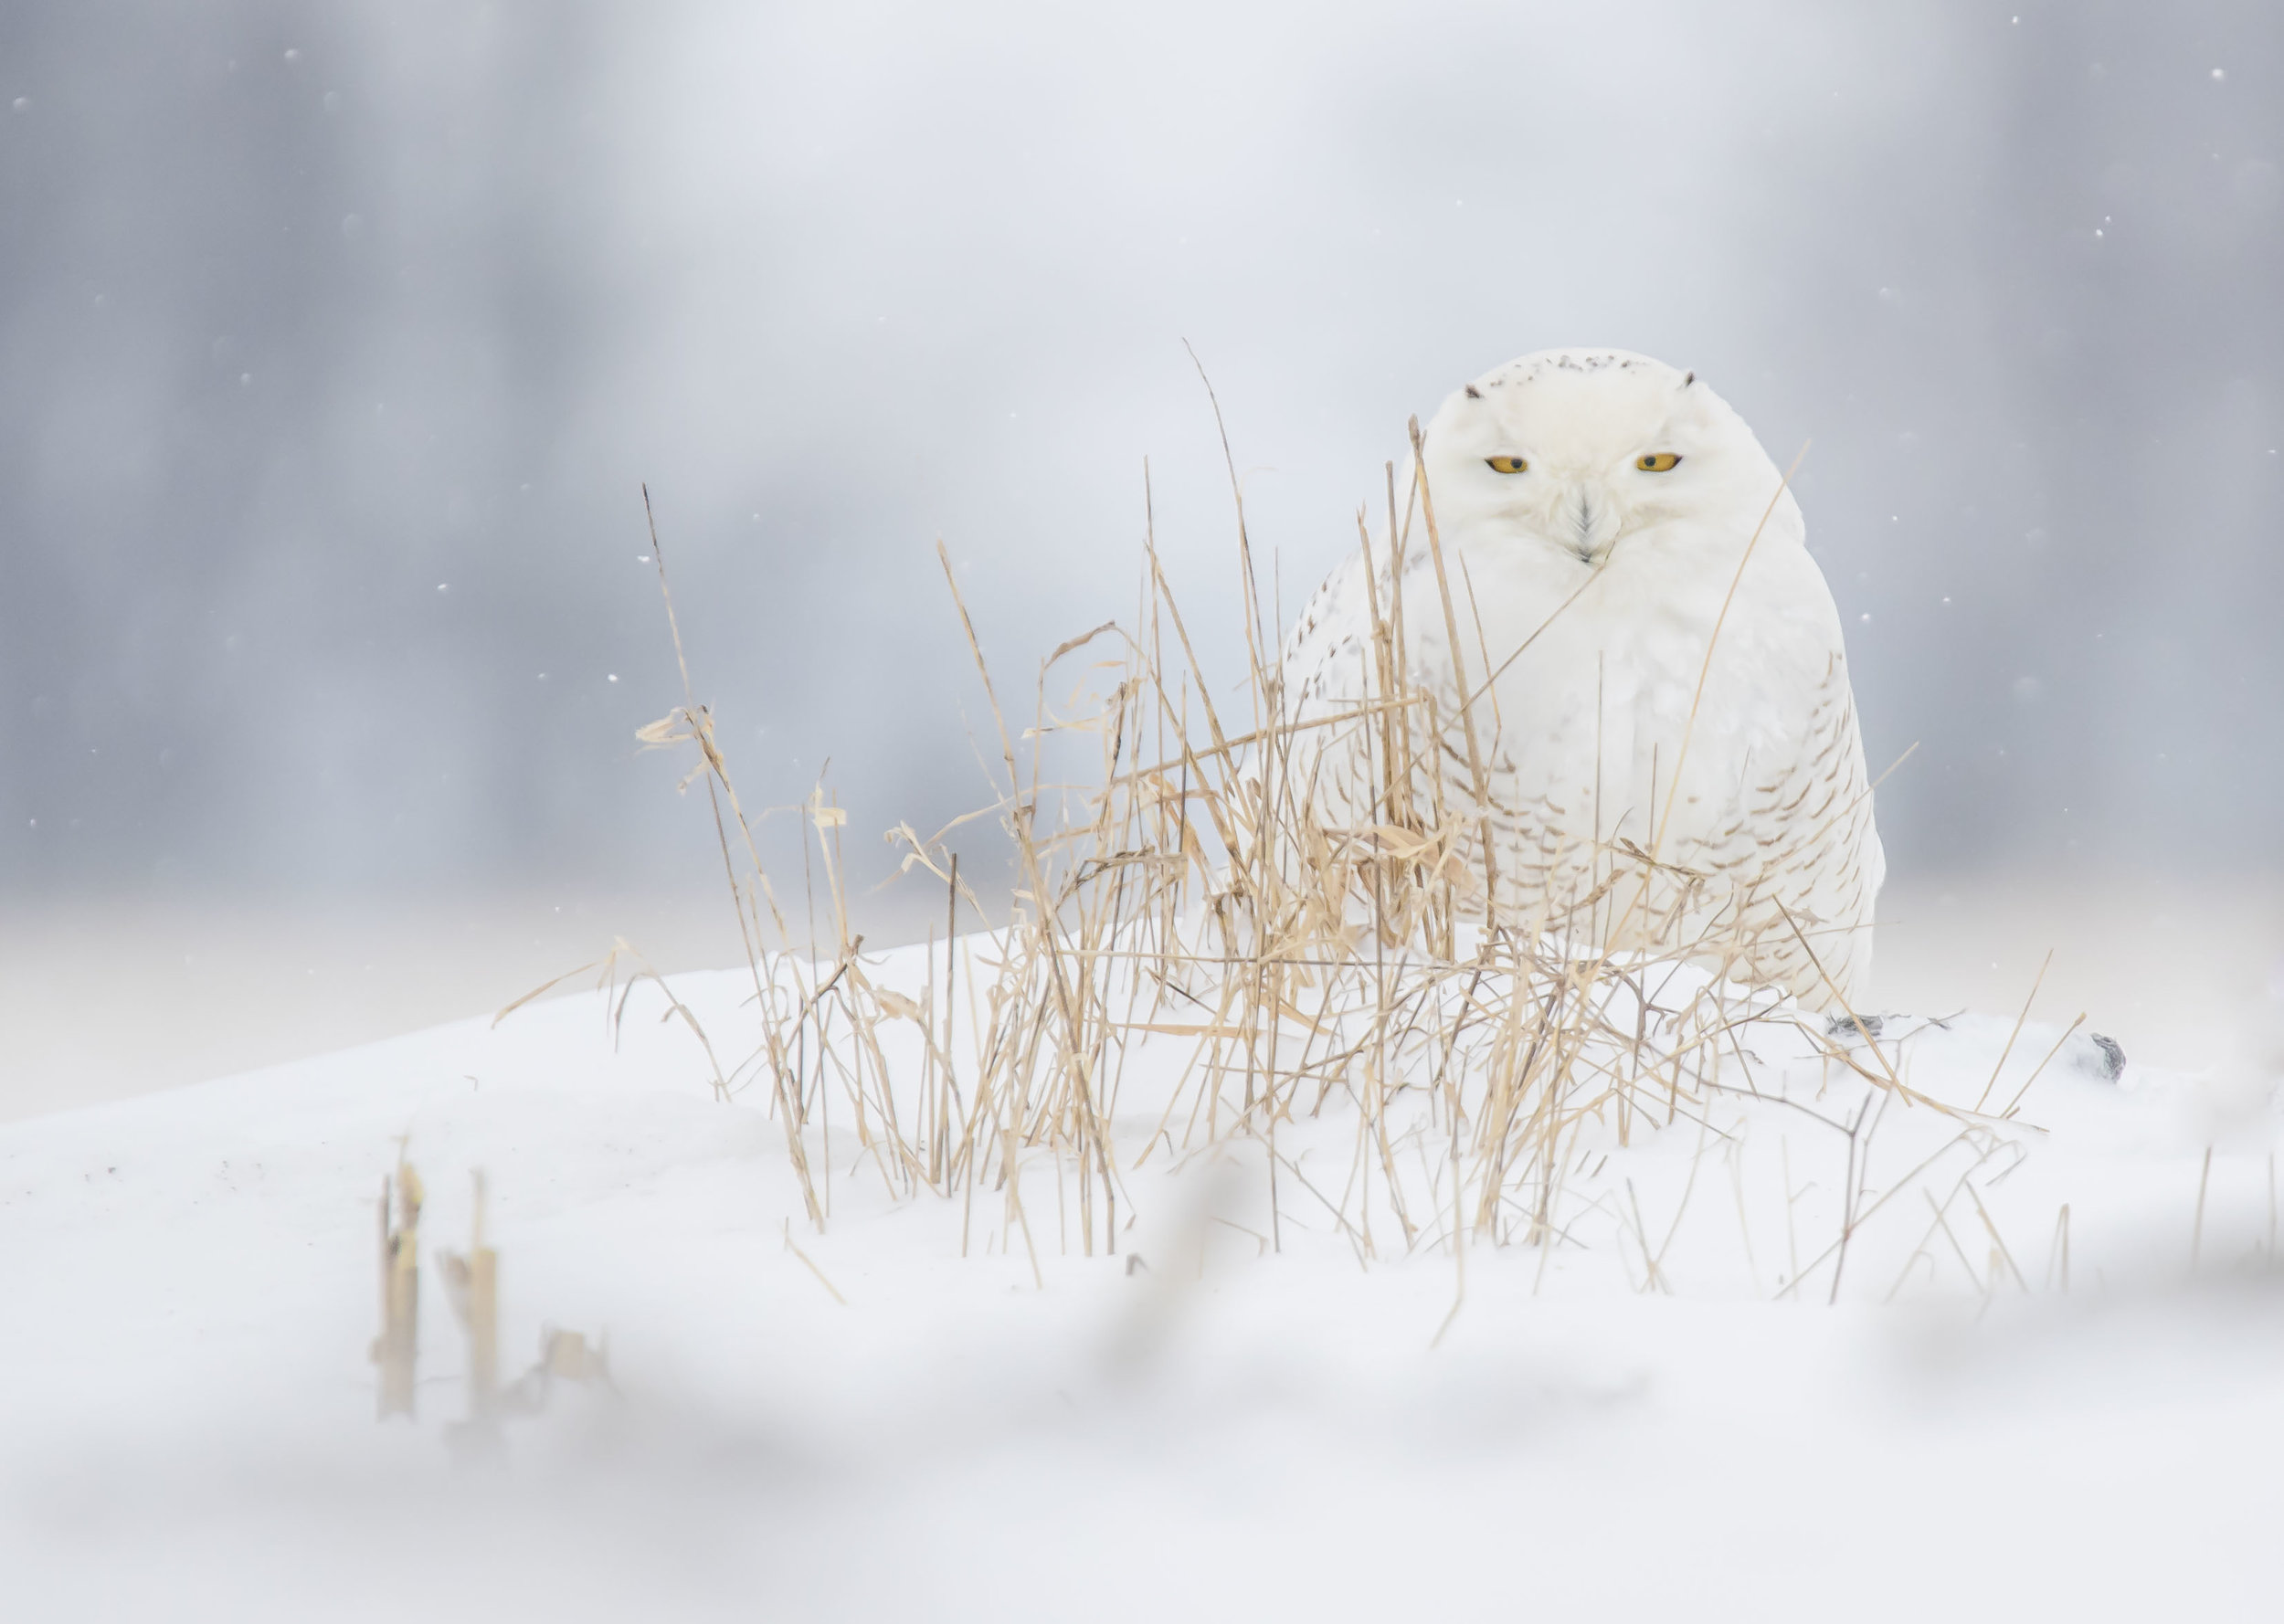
1255,1420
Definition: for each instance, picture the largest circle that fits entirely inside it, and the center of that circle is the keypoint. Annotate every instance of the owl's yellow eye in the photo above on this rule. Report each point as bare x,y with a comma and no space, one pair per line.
1657,462
1508,465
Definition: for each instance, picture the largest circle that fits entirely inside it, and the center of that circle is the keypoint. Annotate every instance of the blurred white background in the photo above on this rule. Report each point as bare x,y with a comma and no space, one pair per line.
338,340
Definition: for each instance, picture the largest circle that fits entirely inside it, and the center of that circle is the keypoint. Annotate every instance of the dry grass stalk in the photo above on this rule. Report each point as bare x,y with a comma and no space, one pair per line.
472,1284
396,1350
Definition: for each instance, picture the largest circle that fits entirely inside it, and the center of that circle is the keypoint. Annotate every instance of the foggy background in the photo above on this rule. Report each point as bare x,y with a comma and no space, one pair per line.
336,341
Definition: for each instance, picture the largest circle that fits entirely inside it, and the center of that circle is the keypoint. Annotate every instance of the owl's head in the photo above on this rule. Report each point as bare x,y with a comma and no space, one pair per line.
1582,449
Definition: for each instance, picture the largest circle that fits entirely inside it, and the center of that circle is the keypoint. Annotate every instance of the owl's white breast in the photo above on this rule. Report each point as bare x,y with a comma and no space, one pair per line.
1607,727
1593,715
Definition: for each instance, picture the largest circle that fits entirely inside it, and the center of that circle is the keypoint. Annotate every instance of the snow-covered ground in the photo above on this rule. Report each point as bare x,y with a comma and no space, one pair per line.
218,984
2007,1412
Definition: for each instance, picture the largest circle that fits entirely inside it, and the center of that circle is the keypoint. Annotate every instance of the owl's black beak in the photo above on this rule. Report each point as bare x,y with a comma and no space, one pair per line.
1585,521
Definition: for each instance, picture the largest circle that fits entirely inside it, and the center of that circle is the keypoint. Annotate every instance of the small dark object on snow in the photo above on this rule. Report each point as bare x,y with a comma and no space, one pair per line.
1842,1027
2112,1065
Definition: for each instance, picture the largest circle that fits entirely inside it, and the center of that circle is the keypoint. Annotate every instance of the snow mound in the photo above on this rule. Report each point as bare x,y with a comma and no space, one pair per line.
1819,1326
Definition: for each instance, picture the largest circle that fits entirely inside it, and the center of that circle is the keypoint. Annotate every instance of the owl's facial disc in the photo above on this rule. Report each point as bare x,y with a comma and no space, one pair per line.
1572,501
1575,451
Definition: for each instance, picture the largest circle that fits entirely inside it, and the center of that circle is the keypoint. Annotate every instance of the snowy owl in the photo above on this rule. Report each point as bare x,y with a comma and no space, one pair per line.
1598,515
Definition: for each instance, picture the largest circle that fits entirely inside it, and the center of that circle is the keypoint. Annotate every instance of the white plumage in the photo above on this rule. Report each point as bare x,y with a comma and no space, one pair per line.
1594,509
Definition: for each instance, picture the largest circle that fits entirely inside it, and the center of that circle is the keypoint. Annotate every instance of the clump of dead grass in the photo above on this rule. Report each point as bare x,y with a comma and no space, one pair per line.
1191,886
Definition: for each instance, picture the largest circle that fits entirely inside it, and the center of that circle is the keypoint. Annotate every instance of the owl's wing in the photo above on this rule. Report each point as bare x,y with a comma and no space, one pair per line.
1327,672
1326,655
1804,844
